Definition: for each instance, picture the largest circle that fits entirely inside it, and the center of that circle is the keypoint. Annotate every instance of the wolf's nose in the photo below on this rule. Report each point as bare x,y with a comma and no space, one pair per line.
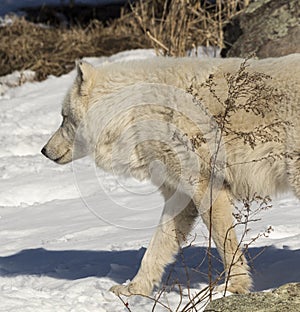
43,151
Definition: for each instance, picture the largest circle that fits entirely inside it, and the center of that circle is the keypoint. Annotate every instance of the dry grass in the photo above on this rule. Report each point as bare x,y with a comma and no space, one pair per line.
176,26
49,50
170,26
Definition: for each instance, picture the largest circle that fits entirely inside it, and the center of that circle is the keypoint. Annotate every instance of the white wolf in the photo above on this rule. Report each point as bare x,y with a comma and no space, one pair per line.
135,114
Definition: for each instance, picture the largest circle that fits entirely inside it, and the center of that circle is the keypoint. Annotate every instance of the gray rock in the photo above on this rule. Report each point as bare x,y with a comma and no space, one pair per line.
283,299
269,28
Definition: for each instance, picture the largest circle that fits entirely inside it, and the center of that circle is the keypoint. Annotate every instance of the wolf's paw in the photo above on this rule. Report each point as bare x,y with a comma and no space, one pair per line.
234,289
241,286
131,289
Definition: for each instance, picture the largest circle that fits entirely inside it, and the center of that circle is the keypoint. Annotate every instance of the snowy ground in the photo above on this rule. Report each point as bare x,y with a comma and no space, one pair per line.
67,238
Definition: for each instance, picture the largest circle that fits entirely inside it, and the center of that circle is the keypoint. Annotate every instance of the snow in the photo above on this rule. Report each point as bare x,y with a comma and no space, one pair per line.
68,233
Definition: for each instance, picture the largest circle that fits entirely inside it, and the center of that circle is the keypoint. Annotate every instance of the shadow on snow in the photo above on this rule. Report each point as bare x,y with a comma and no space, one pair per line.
272,268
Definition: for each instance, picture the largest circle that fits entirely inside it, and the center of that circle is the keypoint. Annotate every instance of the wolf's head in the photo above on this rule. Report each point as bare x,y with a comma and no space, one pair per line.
60,147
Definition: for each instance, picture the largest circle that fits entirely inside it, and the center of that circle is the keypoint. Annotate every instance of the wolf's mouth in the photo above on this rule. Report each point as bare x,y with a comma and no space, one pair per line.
60,159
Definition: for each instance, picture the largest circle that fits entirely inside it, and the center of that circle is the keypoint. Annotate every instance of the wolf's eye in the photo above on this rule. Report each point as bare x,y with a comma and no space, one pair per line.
64,115
64,120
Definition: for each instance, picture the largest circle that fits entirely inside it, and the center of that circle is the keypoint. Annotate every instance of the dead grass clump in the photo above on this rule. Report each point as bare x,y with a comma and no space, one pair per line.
48,50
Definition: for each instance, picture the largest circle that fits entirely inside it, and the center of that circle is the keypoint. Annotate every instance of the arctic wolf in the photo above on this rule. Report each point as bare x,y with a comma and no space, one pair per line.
138,119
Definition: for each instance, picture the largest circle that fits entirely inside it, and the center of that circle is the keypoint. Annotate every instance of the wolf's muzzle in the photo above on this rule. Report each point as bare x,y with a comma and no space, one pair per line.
44,152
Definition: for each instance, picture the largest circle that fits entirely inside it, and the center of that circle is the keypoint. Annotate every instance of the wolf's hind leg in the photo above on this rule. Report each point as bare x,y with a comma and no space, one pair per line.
224,236
164,245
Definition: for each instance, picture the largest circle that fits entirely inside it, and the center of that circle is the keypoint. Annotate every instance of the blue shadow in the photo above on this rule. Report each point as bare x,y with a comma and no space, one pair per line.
272,268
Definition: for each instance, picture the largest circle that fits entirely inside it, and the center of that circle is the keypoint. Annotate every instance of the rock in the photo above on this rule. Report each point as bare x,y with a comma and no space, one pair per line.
283,299
269,28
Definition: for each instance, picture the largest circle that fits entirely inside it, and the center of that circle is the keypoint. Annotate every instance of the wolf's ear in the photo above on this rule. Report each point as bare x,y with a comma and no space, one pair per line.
84,70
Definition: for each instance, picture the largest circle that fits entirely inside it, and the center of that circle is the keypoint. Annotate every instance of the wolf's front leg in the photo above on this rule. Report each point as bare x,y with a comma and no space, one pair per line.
163,246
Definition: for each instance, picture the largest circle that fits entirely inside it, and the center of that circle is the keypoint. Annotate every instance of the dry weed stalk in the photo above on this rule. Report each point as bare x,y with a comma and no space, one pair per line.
249,92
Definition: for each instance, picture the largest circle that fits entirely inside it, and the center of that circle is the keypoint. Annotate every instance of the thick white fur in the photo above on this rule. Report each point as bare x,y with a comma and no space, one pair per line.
102,88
